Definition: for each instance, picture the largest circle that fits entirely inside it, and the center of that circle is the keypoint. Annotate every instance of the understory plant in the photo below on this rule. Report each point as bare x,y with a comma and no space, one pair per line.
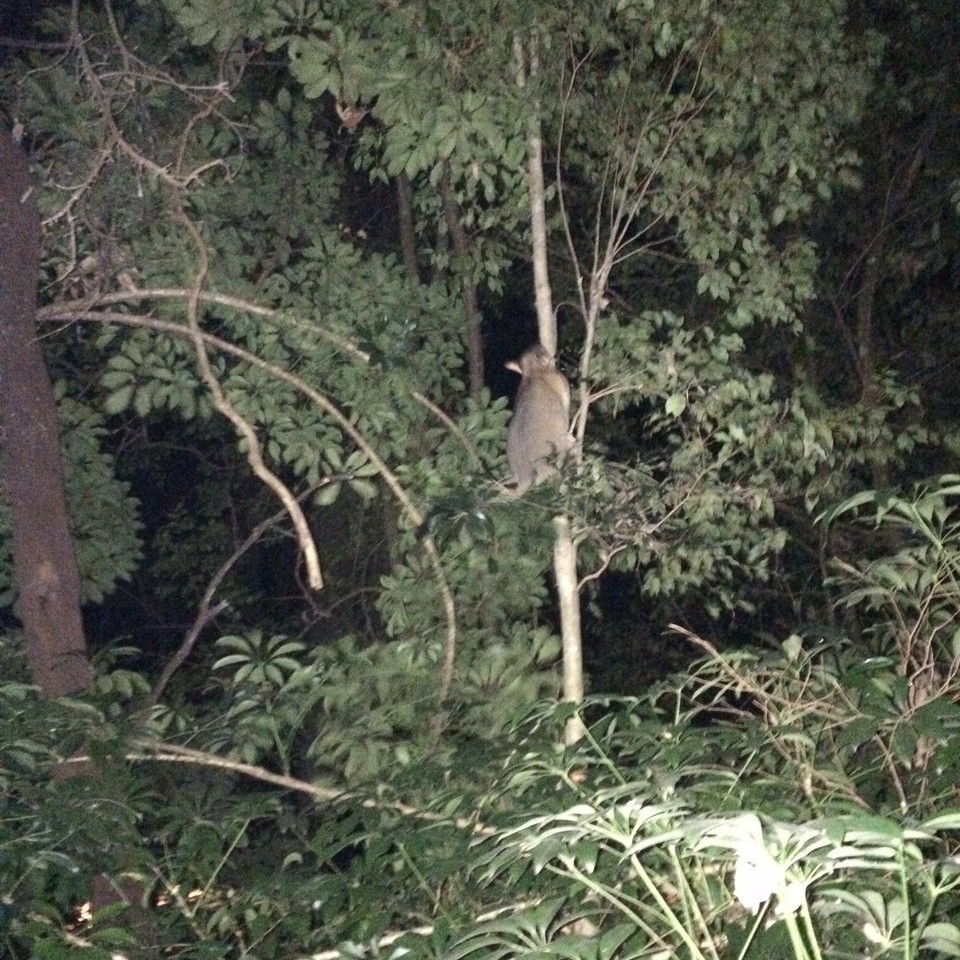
789,801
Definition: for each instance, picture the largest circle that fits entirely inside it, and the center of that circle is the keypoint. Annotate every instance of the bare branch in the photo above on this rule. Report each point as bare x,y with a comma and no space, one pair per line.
244,427
207,610
85,312
153,750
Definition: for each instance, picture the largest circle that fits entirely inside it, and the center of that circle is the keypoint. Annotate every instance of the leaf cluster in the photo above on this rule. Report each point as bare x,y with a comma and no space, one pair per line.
795,801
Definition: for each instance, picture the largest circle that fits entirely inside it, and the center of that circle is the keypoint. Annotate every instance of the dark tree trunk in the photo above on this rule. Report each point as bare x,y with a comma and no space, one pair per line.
44,566
408,237
892,199
462,266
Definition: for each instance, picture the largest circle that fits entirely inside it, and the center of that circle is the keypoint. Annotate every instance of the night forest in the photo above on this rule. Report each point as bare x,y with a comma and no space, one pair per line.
479,480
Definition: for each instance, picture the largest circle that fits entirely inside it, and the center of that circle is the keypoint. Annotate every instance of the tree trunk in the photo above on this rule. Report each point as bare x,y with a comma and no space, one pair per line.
527,59
565,570
44,566
565,547
462,267
408,237
45,571
892,200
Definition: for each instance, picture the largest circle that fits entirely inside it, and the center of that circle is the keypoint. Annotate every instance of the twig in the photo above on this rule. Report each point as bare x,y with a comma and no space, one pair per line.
416,516
207,611
152,750
243,426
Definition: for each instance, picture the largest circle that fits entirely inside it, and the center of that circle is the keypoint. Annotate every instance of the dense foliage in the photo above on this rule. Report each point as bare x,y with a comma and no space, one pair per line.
264,227
794,801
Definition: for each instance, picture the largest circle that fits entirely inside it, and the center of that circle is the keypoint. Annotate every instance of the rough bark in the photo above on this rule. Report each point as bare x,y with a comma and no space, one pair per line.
45,571
44,566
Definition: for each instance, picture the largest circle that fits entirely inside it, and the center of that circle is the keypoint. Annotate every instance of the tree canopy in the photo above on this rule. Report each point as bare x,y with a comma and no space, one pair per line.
314,705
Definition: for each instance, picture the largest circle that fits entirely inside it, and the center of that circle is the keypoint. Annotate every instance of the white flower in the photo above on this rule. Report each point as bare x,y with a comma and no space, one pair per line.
770,861
758,876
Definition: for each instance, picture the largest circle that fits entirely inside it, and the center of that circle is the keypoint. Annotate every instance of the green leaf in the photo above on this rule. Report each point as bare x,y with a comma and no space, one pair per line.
327,494
942,938
949,820
119,400
675,404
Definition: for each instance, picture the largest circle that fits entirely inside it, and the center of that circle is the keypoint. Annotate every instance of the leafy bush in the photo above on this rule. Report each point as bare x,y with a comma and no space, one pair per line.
791,802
